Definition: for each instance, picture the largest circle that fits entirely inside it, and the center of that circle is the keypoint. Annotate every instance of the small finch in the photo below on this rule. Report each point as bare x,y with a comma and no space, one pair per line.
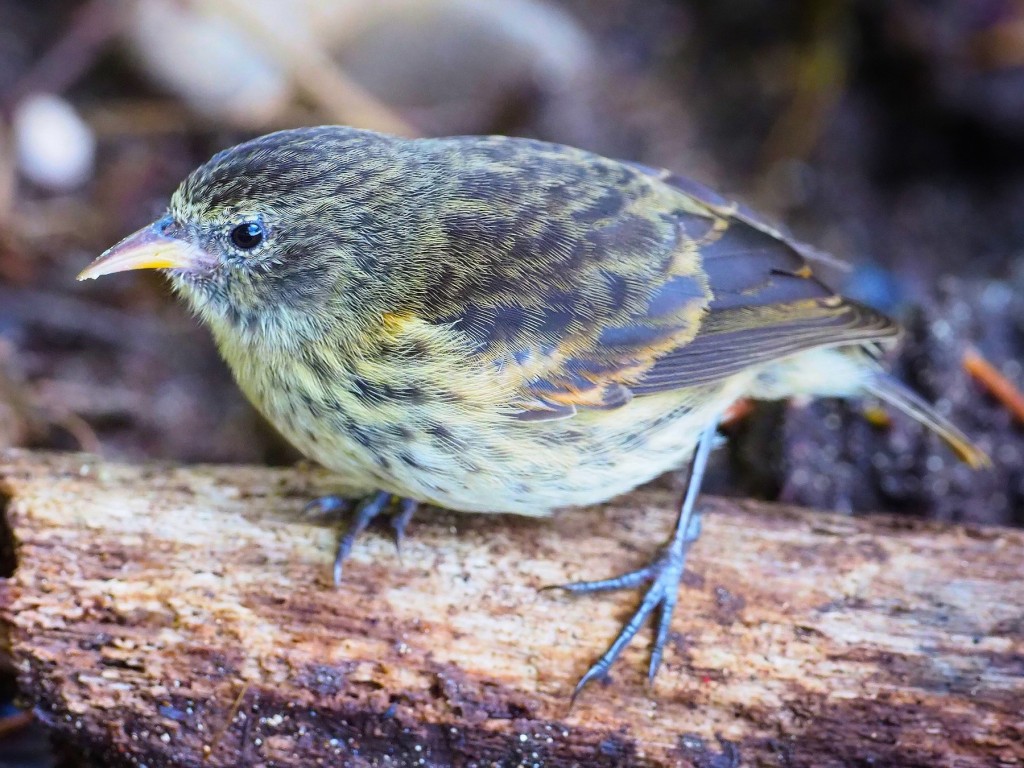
493,324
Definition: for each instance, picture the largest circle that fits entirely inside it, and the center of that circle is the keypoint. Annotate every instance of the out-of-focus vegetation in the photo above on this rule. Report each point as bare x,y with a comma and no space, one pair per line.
890,134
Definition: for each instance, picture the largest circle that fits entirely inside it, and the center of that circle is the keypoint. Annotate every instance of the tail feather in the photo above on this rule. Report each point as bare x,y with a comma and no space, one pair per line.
896,394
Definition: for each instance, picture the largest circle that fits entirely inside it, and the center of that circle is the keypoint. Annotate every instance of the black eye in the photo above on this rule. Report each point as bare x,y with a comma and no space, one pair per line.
247,236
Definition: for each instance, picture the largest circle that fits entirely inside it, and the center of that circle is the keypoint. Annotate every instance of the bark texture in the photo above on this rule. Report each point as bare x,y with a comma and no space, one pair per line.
173,616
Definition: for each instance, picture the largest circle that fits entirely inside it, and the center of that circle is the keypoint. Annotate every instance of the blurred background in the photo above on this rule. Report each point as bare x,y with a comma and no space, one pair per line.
890,134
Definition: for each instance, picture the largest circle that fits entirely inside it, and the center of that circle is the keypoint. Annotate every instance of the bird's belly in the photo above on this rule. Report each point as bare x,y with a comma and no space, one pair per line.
477,459
528,468
585,460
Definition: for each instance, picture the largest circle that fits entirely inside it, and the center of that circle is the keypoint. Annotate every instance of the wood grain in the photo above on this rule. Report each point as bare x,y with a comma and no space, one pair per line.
174,616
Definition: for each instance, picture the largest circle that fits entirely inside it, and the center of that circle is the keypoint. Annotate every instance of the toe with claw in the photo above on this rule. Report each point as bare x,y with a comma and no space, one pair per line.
663,575
363,513
328,506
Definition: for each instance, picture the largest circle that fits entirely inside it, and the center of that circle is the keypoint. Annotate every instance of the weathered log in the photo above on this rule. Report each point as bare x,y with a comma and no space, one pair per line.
173,616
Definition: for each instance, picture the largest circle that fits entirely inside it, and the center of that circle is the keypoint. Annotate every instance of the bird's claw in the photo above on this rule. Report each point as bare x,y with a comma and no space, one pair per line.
664,576
328,506
406,509
365,512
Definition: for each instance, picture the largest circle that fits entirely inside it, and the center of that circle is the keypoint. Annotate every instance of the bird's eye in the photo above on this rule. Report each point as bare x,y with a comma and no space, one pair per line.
247,236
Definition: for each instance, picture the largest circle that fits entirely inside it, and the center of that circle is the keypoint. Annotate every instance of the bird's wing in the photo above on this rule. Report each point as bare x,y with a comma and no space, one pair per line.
769,300
617,280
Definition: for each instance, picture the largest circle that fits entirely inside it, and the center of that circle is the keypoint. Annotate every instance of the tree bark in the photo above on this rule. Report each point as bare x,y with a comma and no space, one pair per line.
174,616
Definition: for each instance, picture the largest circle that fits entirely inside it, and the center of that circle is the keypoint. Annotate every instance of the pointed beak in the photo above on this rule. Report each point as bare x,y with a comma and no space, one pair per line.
149,248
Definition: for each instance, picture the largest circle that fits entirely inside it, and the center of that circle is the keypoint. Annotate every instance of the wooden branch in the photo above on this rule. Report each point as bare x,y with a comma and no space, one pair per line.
173,616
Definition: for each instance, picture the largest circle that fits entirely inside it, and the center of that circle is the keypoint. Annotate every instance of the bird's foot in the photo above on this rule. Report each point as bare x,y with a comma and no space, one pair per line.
365,512
664,575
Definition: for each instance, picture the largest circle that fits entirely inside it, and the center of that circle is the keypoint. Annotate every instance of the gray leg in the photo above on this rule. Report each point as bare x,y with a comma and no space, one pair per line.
664,575
365,512
406,509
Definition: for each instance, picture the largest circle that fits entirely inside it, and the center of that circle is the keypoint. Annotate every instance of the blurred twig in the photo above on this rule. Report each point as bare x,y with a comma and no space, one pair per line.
994,382
79,429
313,71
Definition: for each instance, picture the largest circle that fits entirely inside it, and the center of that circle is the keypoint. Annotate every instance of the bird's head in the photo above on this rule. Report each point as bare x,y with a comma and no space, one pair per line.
272,236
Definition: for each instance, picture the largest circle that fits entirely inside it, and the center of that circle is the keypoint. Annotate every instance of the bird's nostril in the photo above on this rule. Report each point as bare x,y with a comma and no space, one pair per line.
167,226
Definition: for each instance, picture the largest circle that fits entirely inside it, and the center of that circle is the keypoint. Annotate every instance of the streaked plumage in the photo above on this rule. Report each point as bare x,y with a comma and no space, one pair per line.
503,325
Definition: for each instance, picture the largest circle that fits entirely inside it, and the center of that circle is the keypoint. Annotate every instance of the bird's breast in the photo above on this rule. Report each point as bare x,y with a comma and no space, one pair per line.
375,418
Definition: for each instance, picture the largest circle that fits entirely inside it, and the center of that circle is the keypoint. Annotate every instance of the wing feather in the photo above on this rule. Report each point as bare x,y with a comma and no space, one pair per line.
731,341
626,281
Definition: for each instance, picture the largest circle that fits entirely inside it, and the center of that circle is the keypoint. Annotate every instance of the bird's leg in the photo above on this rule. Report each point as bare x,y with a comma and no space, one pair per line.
365,512
406,509
664,575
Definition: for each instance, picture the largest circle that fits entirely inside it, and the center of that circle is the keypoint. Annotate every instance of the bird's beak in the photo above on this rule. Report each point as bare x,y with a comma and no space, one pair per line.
149,248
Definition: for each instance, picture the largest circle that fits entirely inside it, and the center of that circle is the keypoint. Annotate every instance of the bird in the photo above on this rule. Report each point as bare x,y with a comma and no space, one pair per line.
503,325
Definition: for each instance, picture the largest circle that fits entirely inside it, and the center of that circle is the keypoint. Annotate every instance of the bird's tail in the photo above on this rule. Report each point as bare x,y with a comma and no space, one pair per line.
896,394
